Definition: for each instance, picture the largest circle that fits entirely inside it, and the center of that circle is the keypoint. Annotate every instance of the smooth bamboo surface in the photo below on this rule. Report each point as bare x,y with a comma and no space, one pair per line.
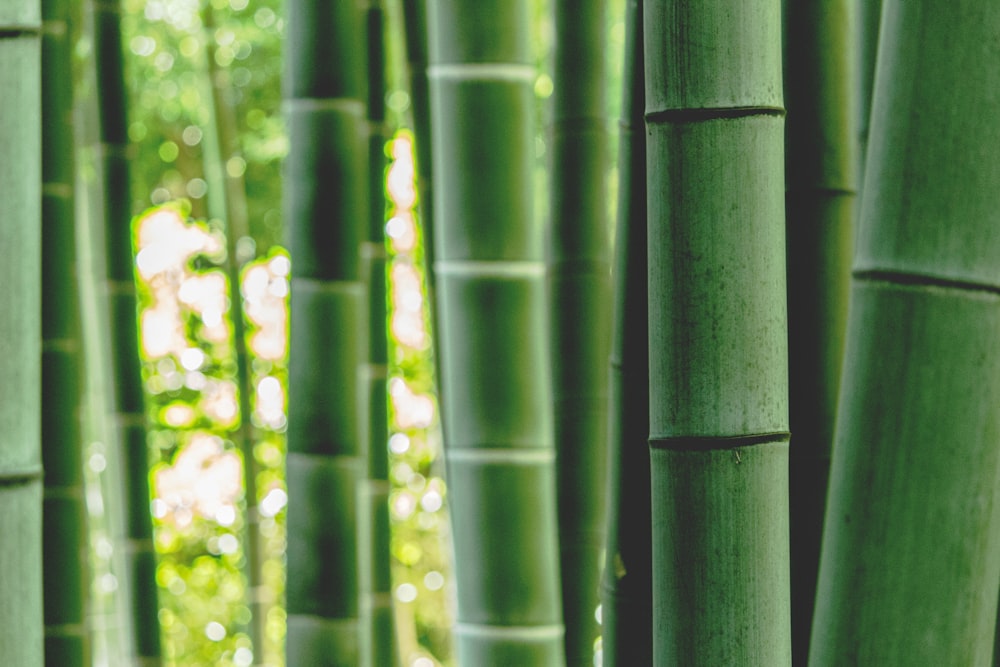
21,620
718,342
128,400
579,283
326,212
627,582
911,547
821,182
493,345
64,514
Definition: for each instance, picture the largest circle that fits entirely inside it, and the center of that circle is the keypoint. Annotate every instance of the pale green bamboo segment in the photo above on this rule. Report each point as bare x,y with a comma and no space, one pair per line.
579,282
21,621
491,300
911,549
720,575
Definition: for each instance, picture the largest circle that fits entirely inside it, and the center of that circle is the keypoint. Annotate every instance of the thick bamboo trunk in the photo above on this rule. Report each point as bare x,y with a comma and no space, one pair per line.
128,400
911,546
378,632
626,600
579,285
326,210
718,367
820,169
65,531
21,620
491,307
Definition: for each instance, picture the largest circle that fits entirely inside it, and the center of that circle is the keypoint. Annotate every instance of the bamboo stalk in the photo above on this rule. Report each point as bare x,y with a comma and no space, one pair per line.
579,265
64,527
821,183
491,304
718,366
627,584
326,210
21,619
911,546
237,225
128,399
379,647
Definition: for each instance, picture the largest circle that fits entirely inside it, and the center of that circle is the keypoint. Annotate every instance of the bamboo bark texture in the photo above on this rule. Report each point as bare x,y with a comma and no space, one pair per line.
20,336
626,596
64,529
911,547
820,169
579,284
378,632
128,400
717,318
326,211
491,302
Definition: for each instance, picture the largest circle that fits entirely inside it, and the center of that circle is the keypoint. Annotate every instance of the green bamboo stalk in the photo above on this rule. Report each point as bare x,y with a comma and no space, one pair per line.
326,209
415,29
821,183
718,365
491,307
627,584
868,19
64,527
21,619
579,284
378,632
237,224
128,400
911,547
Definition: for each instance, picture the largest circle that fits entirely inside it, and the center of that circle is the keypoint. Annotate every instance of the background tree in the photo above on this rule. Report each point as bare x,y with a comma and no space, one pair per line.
65,529
718,368
626,599
20,337
326,211
820,183
912,537
579,298
490,294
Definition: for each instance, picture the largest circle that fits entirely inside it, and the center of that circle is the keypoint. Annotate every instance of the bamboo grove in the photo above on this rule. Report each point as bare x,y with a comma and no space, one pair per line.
713,337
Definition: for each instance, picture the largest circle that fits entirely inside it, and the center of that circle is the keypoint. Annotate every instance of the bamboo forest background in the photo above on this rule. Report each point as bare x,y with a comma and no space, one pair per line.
196,71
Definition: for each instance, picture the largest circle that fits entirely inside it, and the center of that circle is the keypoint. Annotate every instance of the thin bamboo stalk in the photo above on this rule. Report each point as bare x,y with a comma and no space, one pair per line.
627,584
326,210
579,285
868,20
911,547
379,646
821,183
493,345
21,620
64,528
237,225
718,365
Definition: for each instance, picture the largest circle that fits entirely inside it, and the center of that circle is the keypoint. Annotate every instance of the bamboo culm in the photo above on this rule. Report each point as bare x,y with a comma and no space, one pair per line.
718,341
821,182
128,397
21,620
579,263
490,290
326,210
626,585
912,531
64,513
